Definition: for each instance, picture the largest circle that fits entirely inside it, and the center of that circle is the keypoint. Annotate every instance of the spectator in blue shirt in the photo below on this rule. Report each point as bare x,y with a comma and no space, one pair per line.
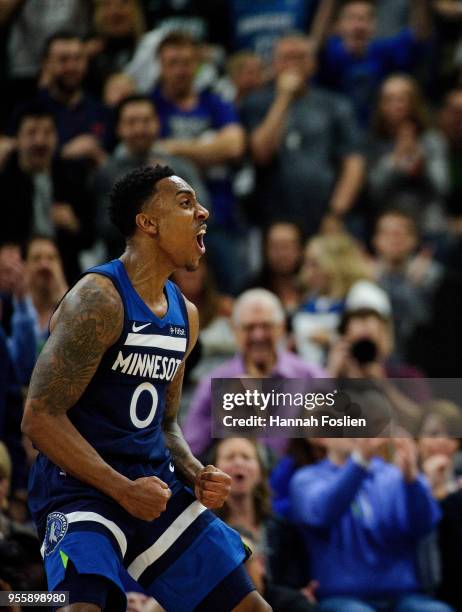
258,25
204,129
11,414
363,519
354,62
15,317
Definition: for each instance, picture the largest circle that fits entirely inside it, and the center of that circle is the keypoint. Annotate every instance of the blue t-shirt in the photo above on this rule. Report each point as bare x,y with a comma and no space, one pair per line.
88,116
211,113
359,77
257,25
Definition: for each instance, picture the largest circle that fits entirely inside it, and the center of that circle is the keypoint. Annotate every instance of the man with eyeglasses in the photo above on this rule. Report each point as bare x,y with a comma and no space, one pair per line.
259,326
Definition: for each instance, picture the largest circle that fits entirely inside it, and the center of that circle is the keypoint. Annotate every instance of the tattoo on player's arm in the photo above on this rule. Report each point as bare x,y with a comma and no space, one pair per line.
183,459
90,319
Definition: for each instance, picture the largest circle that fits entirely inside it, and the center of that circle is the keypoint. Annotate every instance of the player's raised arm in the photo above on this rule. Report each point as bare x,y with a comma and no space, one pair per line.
88,322
211,485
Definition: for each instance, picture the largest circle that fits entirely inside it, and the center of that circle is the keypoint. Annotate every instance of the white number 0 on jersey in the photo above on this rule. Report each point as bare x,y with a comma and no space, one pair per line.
146,386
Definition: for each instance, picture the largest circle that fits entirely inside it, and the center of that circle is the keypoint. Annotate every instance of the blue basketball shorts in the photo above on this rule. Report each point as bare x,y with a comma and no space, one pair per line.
178,559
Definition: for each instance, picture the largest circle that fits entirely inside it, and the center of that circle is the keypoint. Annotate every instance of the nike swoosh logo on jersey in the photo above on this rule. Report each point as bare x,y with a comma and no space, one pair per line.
136,328
172,469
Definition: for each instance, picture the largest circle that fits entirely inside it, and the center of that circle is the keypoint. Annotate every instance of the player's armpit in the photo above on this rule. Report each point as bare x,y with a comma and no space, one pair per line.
89,320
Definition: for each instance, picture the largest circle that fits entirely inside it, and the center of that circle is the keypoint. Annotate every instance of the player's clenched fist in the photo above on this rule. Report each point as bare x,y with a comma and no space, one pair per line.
146,498
212,486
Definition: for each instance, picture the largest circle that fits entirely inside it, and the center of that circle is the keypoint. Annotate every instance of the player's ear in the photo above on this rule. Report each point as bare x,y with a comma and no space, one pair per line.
147,223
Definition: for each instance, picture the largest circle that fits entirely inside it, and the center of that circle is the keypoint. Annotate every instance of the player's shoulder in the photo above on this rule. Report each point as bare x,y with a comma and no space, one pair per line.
95,299
94,290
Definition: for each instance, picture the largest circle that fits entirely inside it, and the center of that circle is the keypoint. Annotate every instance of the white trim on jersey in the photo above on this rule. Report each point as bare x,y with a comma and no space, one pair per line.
166,540
157,341
75,517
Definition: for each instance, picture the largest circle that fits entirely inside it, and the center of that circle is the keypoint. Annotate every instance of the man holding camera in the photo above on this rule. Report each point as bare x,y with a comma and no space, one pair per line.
364,350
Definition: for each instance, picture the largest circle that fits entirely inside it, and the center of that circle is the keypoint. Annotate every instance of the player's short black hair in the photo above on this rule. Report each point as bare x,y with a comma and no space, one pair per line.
130,193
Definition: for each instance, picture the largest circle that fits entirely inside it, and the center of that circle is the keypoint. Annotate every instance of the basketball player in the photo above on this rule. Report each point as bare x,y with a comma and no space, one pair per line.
107,490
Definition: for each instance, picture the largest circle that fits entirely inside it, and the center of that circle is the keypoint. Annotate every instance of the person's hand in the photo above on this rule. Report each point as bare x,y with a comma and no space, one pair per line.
289,83
309,591
60,285
369,447
13,277
437,445
337,358
9,256
19,280
93,46
63,216
419,266
212,487
437,469
171,146
339,206
146,498
408,154
85,145
406,458
7,146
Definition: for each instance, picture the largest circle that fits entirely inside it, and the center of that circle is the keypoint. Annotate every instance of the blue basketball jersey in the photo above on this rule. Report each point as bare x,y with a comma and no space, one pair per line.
121,411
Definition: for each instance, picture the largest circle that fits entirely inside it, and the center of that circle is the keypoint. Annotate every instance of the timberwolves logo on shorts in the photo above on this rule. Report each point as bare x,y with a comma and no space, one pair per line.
55,532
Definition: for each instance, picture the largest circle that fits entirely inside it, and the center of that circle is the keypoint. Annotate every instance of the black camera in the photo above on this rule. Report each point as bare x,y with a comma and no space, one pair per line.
364,351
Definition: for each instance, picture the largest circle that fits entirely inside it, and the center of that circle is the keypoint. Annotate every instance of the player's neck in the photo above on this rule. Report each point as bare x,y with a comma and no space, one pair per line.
148,272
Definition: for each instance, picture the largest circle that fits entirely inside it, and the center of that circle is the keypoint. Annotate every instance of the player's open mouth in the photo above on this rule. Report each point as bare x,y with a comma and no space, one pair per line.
200,241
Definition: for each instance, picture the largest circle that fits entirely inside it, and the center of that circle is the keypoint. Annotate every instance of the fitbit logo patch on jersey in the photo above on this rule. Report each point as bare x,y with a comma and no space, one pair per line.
177,331
56,530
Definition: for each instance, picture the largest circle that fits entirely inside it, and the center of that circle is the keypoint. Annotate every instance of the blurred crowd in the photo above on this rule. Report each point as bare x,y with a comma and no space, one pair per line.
325,138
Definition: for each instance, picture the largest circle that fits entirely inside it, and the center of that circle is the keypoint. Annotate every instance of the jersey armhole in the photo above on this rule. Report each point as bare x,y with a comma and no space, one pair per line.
184,311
